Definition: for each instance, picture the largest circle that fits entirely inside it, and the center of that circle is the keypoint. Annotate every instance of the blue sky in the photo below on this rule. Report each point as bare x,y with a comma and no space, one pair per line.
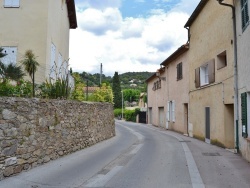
127,35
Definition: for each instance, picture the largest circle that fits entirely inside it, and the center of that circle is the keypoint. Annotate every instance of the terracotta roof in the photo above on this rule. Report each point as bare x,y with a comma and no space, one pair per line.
91,89
196,12
176,54
72,13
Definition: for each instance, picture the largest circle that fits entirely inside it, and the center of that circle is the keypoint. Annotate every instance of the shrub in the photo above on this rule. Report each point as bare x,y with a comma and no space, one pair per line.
118,112
22,89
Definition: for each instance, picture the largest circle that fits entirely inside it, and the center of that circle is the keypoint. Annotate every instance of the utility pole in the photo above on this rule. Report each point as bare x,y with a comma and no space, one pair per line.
101,76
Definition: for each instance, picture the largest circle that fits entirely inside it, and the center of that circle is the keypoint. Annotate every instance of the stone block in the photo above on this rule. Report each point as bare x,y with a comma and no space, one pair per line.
8,115
26,167
18,169
10,150
21,161
8,171
10,161
46,159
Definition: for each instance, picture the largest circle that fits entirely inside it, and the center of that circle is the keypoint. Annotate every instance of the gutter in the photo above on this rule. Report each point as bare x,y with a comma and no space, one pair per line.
236,102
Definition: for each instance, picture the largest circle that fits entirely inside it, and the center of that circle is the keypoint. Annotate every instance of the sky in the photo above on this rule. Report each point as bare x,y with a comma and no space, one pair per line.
127,35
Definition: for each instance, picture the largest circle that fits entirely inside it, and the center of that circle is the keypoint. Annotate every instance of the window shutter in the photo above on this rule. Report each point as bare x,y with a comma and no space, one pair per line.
180,70
173,111
211,71
244,114
177,67
197,77
168,111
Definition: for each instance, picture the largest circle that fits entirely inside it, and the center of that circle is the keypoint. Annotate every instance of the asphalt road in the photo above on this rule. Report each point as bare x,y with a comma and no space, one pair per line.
140,156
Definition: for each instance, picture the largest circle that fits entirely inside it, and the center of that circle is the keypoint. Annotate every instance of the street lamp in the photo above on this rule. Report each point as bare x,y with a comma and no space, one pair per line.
122,105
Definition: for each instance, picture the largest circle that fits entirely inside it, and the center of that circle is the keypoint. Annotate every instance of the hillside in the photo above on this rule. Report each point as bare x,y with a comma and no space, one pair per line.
128,80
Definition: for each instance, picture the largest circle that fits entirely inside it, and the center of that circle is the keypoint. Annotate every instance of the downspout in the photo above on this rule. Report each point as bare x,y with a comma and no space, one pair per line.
235,76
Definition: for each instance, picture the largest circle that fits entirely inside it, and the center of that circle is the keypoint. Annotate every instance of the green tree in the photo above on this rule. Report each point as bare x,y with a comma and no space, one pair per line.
117,91
131,94
78,92
30,66
104,94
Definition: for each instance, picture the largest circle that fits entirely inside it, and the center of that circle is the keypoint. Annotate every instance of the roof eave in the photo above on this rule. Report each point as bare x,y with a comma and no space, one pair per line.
176,54
196,12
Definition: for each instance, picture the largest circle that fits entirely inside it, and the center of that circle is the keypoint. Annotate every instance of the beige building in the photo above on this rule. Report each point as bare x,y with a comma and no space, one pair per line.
243,61
211,58
42,26
168,93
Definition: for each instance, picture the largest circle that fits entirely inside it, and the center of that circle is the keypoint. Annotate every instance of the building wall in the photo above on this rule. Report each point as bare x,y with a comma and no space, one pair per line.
36,25
155,100
211,34
243,59
26,28
171,90
34,131
177,91
57,31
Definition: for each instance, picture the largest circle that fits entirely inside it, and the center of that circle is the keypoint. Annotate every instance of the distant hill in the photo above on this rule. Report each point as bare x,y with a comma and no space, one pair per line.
128,80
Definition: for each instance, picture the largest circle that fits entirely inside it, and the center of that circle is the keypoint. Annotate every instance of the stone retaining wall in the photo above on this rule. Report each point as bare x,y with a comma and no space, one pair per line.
35,131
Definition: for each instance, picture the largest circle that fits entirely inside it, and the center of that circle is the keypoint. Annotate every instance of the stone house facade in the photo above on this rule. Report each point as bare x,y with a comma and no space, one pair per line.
41,26
243,59
211,58
168,93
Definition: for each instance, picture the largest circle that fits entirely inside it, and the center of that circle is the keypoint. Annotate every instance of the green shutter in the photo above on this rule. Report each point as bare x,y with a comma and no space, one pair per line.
244,114
244,14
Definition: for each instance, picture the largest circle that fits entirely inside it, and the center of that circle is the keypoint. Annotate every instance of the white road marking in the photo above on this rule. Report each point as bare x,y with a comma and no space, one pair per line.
138,135
136,149
194,173
100,180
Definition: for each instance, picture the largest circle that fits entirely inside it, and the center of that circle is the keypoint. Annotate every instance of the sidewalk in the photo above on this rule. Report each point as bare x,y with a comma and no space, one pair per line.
217,166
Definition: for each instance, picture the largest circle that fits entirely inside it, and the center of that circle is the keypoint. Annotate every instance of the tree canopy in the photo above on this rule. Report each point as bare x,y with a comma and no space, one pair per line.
117,91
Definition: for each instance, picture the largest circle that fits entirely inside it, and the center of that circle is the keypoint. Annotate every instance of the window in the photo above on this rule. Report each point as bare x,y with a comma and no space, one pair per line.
11,55
157,85
221,60
244,14
11,3
179,71
205,74
171,111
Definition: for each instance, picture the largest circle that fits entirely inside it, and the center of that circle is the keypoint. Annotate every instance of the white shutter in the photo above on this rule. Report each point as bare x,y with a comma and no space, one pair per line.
7,3
11,56
173,111
168,111
15,3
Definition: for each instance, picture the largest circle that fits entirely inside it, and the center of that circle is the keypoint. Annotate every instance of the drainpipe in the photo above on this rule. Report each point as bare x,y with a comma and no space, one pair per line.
235,75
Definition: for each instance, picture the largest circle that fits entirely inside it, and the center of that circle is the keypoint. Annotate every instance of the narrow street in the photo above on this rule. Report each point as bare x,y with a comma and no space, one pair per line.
140,156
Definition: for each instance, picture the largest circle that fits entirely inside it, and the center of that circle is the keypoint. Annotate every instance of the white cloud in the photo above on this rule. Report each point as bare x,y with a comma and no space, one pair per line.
98,4
129,44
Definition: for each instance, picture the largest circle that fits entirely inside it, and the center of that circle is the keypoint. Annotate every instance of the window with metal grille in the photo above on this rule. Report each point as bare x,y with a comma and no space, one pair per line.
244,14
179,71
